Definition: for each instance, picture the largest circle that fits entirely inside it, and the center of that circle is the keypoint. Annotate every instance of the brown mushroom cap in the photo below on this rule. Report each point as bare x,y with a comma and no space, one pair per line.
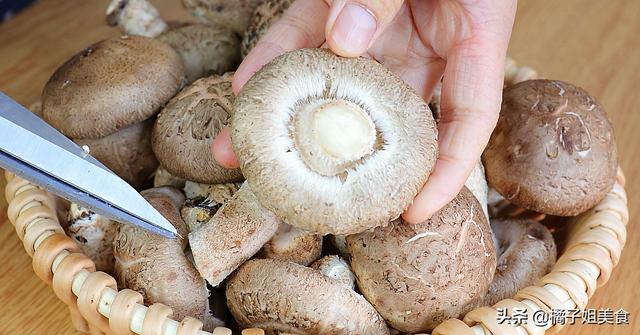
110,85
205,49
288,131
184,133
553,149
280,296
261,20
420,275
234,14
157,267
127,152
526,252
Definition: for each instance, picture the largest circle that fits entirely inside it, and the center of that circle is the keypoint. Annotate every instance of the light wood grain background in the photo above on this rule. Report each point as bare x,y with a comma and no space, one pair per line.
592,43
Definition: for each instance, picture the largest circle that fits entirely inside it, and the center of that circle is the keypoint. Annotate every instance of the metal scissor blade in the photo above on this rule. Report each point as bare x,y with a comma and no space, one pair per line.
14,112
67,170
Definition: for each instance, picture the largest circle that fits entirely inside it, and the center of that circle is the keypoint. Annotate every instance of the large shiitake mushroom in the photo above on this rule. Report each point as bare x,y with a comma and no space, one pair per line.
111,85
102,96
157,267
184,133
204,48
553,149
126,152
233,14
420,275
526,252
285,297
234,234
302,164
94,234
262,18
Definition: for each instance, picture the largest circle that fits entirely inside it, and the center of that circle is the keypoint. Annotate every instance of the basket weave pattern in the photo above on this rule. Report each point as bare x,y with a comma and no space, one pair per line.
96,306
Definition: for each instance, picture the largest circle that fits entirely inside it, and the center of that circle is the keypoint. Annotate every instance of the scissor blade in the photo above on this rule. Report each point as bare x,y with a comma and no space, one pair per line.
14,112
67,163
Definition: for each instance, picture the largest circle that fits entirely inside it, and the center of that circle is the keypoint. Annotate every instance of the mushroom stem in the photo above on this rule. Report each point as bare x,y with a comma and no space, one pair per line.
136,17
333,134
94,235
235,233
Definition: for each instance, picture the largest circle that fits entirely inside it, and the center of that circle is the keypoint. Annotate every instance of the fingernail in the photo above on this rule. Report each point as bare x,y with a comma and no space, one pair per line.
353,30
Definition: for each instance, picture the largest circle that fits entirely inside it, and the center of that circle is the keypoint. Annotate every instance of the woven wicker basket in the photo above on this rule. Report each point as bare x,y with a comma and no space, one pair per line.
592,249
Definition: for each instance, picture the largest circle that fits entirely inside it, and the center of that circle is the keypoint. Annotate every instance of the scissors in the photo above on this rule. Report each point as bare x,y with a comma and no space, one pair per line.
37,152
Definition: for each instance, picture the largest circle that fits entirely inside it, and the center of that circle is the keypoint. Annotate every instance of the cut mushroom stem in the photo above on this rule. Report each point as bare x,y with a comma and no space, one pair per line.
94,235
336,268
203,201
236,232
285,297
136,17
158,267
294,245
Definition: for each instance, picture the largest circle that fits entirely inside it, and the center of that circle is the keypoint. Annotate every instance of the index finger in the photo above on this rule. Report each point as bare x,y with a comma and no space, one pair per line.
301,26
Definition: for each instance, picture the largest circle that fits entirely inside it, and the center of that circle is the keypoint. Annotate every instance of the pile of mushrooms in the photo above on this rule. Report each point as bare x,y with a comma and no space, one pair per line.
306,236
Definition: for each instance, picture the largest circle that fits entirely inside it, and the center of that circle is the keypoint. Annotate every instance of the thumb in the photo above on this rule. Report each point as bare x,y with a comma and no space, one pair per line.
353,25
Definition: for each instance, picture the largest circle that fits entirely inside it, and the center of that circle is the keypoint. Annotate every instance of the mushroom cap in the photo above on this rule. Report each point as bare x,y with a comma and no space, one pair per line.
157,267
261,20
553,149
127,152
233,14
280,296
205,49
288,132
420,275
184,133
294,245
526,252
111,85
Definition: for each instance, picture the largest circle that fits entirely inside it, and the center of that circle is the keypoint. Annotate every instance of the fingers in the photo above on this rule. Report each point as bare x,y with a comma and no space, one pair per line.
223,151
353,25
470,104
301,26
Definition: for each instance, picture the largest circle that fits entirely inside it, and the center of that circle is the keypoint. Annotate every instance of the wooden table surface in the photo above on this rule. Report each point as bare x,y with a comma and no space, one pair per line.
592,43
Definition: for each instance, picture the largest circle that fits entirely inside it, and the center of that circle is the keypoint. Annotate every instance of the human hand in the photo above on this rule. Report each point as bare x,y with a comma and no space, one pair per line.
462,42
